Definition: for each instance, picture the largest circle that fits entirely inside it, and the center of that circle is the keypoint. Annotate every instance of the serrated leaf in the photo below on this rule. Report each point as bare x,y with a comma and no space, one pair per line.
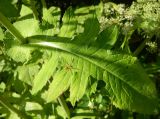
61,82
69,24
116,66
126,81
44,74
19,54
80,81
28,26
52,16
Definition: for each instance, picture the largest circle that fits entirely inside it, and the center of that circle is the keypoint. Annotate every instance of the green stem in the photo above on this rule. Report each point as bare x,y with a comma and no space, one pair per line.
7,105
7,24
33,7
140,48
44,3
64,105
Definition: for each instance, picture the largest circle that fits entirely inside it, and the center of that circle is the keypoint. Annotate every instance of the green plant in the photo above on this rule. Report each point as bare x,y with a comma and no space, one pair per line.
44,64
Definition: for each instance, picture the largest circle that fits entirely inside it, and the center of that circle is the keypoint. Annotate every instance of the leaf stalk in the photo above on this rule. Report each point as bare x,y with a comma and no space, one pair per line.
34,9
64,105
140,48
7,24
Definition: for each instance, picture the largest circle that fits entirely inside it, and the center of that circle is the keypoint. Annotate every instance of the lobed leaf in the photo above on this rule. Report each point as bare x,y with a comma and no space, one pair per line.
61,82
44,74
90,55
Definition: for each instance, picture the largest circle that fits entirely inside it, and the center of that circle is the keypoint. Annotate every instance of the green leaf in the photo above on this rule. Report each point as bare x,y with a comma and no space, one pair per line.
80,81
26,73
49,25
44,74
25,11
27,27
69,24
1,34
52,16
111,36
8,8
2,64
30,106
122,73
2,87
91,30
61,82
19,54
124,78
126,81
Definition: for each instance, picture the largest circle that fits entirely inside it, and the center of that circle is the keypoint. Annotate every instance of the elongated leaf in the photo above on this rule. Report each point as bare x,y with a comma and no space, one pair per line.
80,81
126,81
44,74
1,34
60,83
69,24
119,70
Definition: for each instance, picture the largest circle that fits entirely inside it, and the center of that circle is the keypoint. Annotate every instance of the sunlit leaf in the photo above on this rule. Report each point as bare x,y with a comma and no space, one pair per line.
61,82
44,74
1,34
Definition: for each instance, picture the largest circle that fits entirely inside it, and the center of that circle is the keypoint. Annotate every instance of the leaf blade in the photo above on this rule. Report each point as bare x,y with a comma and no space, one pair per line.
60,83
44,74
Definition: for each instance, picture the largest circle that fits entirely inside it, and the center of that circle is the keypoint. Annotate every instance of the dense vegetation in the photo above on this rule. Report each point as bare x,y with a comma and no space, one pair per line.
79,59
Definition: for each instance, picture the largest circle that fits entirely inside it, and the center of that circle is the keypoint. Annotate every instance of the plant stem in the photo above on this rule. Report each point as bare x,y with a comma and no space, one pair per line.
140,48
44,3
64,105
33,7
7,105
7,24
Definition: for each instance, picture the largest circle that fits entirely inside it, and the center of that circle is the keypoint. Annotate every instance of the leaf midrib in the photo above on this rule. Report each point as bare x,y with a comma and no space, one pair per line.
67,50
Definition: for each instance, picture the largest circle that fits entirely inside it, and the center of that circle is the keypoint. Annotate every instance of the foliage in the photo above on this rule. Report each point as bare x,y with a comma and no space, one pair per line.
76,64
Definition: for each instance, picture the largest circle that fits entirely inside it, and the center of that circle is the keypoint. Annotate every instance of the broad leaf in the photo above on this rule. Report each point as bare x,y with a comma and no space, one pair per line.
26,73
110,35
69,24
128,85
19,54
126,81
27,27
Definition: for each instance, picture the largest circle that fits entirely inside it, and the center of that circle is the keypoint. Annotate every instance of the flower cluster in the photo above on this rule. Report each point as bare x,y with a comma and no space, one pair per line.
143,15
